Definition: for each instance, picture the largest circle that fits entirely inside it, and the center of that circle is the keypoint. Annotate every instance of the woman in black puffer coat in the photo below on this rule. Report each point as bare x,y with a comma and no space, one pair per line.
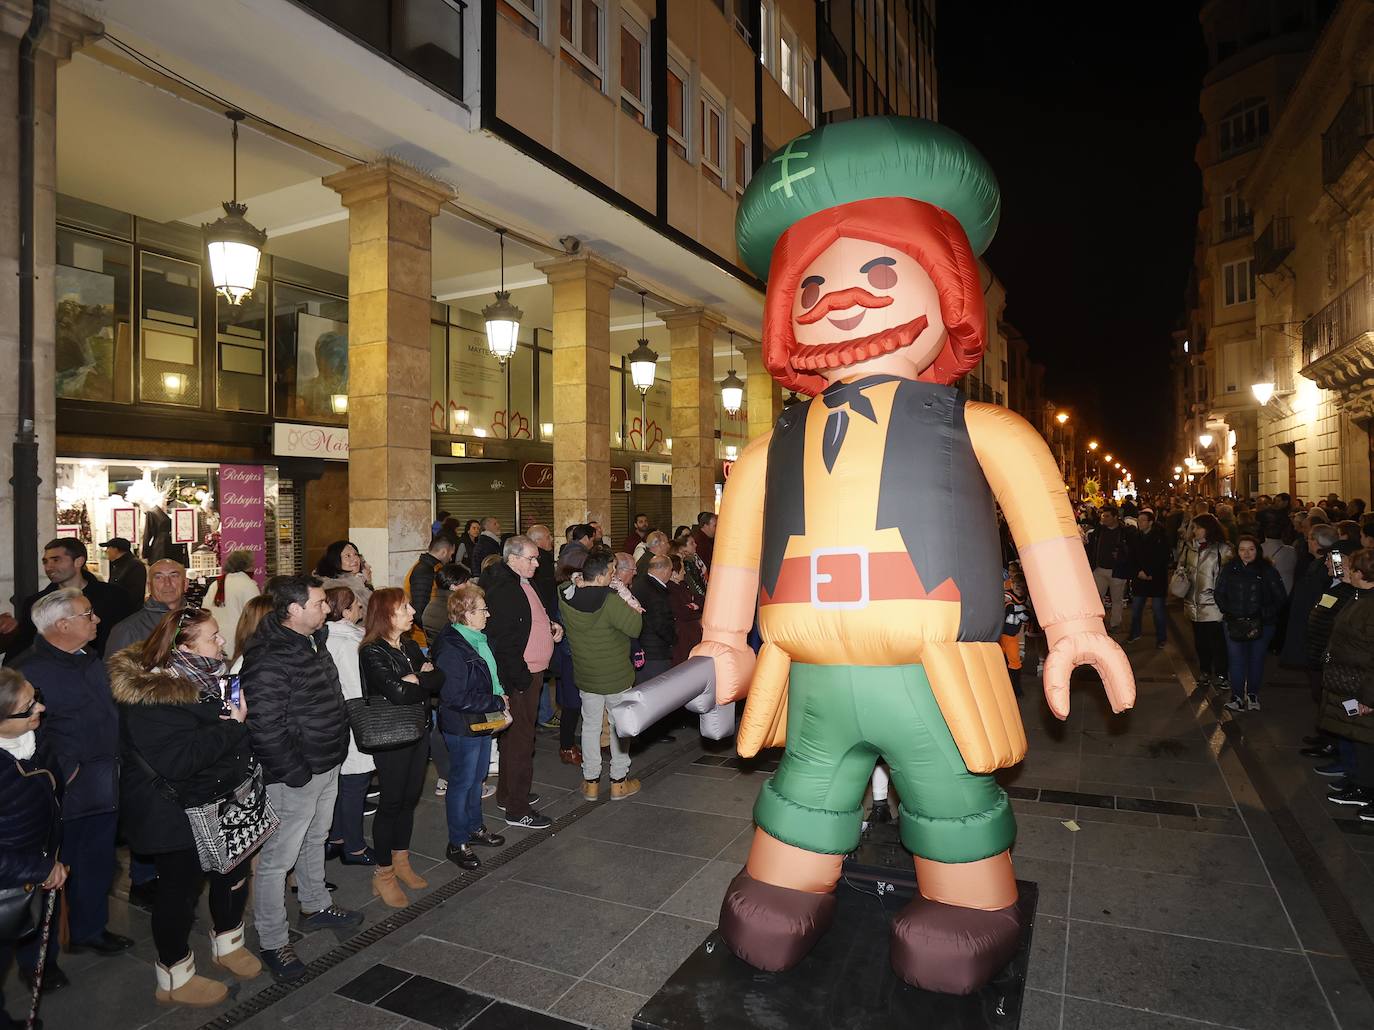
30,815
1250,593
182,746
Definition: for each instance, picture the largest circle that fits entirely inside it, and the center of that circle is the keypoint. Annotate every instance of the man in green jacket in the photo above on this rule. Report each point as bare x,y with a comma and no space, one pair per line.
600,627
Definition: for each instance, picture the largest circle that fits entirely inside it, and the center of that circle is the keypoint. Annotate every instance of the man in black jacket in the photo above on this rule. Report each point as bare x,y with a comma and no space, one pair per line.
298,726
420,582
127,573
660,629
64,563
522,638
80,730
488,543
1149,549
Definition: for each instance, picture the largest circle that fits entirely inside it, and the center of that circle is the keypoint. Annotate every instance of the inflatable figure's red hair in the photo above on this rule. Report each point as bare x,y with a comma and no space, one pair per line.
931,236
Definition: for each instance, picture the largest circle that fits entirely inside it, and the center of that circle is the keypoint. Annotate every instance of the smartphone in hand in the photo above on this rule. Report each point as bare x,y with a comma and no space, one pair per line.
233,690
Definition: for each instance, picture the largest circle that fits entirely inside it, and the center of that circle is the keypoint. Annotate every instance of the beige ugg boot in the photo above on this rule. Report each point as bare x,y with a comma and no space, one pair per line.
622,789
591,790
230,954
384,886
178,984
400,861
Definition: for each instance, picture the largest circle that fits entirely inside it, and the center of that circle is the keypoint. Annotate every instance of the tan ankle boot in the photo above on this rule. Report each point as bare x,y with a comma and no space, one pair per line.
384,886
591,790
178,984
230,954
400,861
622,789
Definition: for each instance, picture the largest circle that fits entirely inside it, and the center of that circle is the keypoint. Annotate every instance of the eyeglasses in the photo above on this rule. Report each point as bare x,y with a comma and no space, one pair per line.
25,713
89,613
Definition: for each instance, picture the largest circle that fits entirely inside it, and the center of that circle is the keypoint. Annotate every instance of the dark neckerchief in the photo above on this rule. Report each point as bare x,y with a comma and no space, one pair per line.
839,396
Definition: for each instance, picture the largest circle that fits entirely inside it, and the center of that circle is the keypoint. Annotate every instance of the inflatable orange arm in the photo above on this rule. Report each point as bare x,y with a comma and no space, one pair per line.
734,590
1026,482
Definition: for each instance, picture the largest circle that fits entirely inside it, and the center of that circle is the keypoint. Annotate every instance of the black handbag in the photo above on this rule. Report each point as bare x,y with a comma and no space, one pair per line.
384,726
1342,680
1244,630
18,912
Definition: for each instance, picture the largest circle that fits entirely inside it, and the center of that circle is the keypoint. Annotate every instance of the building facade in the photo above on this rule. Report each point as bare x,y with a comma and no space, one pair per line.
407,160
1256,50
1312,190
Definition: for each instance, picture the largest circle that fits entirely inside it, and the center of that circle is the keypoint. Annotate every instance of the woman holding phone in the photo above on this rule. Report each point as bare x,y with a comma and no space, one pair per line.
181,736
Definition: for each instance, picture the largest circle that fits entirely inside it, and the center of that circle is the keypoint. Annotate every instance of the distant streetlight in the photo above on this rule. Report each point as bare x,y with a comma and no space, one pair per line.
1062,417
1178,468
1107,458
1205,439
1092,445
1262,392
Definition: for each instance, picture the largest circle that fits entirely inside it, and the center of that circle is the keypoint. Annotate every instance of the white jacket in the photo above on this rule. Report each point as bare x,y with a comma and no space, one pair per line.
342,644
239,589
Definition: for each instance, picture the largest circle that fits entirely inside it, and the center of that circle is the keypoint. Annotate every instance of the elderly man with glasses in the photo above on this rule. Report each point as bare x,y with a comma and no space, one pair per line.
80,734
522,637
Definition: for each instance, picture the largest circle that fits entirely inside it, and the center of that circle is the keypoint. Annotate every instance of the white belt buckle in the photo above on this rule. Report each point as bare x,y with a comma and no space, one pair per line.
819,578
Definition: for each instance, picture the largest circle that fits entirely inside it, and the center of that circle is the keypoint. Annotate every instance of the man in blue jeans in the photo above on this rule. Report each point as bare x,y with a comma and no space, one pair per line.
1149,553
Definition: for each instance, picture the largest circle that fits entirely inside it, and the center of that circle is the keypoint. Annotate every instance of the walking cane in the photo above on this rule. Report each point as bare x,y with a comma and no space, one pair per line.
48,903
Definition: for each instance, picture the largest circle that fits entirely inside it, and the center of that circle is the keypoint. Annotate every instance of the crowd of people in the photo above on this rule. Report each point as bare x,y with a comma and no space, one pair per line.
132,716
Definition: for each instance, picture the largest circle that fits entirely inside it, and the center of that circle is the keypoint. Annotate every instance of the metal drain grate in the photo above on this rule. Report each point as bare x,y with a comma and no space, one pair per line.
269,996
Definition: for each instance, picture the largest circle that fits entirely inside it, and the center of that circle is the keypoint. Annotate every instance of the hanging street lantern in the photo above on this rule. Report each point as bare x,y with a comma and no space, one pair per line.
234,244
732,386
502,317
643,359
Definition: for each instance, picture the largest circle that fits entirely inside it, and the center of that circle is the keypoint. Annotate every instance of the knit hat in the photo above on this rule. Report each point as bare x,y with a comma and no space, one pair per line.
865,159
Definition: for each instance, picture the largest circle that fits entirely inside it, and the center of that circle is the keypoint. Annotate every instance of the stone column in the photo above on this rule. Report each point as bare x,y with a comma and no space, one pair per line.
67,30
581,387
390,210
762,394
692,333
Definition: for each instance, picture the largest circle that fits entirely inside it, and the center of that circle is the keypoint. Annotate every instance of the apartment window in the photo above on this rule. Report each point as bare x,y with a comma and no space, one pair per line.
580,24
677,108
806,72
1236,217
1238,282
767,32
523,14
787,61
712,126
744,158
1243,126
634,68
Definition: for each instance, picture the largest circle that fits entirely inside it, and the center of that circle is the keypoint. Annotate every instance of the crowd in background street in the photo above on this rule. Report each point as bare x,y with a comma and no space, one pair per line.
239,744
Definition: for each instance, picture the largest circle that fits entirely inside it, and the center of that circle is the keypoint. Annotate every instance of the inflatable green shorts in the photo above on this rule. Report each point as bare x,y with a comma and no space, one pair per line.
840,720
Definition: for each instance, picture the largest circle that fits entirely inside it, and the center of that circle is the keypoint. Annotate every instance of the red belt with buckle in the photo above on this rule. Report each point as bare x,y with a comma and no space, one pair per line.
850,578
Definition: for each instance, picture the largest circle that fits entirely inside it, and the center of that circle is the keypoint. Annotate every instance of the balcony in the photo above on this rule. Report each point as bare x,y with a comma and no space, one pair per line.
1345,319
1345,137
423,36
1273,245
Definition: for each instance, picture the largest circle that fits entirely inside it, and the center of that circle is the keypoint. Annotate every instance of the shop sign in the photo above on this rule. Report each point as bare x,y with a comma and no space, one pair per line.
291,440
726,466
653,473
538,475
243,515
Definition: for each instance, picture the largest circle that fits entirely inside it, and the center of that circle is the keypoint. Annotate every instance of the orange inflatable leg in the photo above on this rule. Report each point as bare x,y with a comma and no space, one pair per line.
988,885
783,865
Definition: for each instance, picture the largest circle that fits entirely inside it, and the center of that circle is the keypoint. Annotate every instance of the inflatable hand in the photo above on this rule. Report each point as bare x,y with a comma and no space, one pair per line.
734,668
1086,643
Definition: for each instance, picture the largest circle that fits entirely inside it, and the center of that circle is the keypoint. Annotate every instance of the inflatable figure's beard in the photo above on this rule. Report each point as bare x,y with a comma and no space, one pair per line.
821,356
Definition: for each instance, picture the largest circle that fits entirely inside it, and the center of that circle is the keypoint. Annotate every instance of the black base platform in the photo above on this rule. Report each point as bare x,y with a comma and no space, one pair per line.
847,982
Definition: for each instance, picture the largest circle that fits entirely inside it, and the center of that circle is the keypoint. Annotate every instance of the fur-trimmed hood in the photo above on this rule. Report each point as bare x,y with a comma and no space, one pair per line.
131,684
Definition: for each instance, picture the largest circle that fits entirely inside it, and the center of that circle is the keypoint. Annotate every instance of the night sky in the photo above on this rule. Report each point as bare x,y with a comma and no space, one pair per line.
1091,130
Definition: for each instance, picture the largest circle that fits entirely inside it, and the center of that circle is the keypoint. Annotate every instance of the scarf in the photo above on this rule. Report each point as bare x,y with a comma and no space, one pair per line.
206,673
21,746
480,645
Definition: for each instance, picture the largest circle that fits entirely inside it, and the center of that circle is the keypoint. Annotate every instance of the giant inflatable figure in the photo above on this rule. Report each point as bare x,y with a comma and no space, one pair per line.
865,530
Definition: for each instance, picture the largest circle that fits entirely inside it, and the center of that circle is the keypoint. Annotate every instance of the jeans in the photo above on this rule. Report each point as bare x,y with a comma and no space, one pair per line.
305,813
545,702
401,775
1245,659
348,811
468,758
593,705
517,751
1115,588
179,879
1138,613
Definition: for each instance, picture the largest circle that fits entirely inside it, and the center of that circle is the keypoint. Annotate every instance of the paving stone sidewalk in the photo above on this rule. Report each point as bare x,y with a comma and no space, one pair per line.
1180,899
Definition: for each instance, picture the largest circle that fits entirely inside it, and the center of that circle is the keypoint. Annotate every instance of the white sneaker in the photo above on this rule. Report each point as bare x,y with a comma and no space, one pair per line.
1252,703
488,789
440,788
1237,704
